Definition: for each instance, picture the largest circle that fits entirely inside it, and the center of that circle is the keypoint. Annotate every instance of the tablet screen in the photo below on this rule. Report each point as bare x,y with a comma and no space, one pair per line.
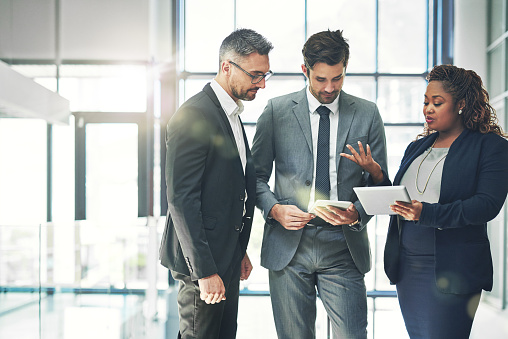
376,200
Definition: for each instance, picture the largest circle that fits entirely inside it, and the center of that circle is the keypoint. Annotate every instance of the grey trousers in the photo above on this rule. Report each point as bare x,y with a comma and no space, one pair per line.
322,261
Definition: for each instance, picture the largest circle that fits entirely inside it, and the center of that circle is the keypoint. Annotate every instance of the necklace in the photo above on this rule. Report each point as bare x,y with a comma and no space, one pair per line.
432,171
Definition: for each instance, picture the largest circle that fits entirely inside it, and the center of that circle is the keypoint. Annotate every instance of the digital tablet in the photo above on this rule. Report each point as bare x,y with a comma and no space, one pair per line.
377,200
343,205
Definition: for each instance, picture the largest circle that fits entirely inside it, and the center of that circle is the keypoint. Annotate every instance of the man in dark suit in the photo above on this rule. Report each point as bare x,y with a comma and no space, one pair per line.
211,189
303,134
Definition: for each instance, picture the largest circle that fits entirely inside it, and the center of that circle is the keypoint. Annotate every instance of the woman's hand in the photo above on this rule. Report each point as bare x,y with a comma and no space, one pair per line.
364,160
410,211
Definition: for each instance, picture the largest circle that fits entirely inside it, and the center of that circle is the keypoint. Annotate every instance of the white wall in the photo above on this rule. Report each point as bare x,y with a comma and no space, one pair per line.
470,44
120,30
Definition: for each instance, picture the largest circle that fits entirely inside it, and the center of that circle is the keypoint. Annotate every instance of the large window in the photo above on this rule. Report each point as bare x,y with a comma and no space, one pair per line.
497,86
389,59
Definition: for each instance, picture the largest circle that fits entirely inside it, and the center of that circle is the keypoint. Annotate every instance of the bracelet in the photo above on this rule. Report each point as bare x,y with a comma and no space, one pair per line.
355,222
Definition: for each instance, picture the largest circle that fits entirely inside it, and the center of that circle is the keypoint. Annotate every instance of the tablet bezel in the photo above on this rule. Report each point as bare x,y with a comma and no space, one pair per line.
376,200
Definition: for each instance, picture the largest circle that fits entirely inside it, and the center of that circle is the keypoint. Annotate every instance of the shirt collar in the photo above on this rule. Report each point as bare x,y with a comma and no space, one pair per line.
314,103
231,107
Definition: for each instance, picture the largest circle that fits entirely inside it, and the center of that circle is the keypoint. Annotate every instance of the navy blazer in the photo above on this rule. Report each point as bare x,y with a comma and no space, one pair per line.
474,185
206,188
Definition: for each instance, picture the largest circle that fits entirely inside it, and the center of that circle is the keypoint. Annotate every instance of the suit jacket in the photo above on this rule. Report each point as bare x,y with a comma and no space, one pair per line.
284,134
473,189
206,189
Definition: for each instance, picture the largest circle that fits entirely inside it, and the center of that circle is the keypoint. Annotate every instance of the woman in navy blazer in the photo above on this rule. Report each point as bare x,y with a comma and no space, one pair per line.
437,251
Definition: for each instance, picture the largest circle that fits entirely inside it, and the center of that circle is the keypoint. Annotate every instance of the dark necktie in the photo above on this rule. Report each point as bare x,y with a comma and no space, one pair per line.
323,155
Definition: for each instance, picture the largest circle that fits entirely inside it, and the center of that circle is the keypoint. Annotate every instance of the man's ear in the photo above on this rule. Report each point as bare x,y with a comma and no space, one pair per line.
304,70
225,67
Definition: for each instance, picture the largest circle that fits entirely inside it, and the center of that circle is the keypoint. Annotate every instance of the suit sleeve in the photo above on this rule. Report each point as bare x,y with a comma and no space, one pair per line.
263,153
377,143
485,204
187,143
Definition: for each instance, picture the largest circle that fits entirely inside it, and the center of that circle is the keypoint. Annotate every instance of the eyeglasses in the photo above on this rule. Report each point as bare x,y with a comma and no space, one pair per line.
255,79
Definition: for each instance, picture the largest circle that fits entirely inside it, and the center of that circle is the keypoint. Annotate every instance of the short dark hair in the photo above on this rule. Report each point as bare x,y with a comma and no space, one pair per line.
243,42
328,47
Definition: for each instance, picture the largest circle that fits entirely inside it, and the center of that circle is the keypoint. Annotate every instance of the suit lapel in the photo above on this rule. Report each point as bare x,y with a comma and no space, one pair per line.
224,120
347,110
405,164
222,115
301,111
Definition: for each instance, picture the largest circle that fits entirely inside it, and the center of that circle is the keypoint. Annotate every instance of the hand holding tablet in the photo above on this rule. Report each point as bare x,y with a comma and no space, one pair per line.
343,205
376,200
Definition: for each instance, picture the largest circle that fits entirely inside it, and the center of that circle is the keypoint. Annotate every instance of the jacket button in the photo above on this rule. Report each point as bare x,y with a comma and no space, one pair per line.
242,197
307,183
237,227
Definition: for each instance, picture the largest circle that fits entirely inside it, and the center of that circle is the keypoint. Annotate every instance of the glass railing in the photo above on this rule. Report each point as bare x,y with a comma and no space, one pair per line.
82,280
101,280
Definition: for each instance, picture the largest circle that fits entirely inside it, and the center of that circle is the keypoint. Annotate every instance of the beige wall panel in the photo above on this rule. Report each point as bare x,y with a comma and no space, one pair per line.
104,30
27,29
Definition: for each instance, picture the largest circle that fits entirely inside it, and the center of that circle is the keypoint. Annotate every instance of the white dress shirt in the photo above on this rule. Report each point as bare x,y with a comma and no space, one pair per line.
334,126
233,110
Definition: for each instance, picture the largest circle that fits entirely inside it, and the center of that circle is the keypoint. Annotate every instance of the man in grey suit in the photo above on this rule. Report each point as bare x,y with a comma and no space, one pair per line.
303,134
211,189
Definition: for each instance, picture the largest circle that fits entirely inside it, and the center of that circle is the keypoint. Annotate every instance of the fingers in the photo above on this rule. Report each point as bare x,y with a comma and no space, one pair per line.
369,154
212,289
246,268
410,211
291,217
213,298
336,216
362,151
350,157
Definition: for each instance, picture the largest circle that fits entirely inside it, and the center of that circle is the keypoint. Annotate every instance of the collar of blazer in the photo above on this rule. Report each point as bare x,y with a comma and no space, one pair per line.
222,114
421,145
225,122
347,111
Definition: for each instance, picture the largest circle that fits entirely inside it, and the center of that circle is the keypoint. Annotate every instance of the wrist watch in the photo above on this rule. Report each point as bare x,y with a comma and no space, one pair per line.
355,222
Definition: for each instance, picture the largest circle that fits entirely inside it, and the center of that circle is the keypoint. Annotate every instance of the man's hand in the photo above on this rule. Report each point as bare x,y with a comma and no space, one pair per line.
246,268
290,216
364,160
337,216
212,289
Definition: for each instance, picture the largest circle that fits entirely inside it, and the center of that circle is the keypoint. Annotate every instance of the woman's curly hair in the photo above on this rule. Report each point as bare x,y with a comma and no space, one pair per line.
462,84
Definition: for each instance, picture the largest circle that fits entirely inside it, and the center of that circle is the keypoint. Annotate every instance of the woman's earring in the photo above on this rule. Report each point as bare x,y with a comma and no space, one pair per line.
460,111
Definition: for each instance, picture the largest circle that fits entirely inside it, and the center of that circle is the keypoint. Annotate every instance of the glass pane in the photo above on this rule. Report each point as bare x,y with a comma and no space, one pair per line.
287,53
497,26
207,23
401,99
44,75
345,15
192,87
19,272
362,87
274,87
496,62
111,88
402,36
111,173
397,139
388,321
23,171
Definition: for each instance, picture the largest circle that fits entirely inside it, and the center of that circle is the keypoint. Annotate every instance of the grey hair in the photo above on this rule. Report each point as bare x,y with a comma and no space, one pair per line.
243,42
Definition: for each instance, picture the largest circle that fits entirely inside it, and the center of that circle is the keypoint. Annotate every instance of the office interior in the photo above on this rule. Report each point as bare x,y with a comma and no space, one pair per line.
86,89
